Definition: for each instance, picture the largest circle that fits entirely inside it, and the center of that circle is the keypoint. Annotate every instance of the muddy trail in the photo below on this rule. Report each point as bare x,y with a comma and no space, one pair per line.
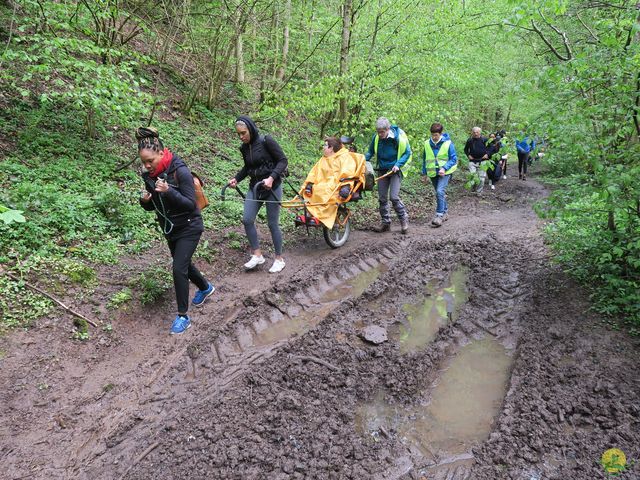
452,353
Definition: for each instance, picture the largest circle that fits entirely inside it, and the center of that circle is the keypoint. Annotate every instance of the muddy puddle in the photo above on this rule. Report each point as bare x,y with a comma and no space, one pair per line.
355,286
426,317
304,321
457,412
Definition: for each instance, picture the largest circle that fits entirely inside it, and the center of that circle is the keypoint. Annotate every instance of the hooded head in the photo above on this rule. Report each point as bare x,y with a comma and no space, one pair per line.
245,124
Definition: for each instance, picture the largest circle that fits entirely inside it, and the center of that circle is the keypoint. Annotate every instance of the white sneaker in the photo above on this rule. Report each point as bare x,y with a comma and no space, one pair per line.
493,187
254,262
277,266
504,177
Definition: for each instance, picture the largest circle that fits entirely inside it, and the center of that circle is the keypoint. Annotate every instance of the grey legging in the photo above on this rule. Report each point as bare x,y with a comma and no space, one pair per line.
250,213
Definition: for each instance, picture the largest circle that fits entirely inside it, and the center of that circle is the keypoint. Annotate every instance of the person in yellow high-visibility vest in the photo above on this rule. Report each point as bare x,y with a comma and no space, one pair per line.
390,147
439,161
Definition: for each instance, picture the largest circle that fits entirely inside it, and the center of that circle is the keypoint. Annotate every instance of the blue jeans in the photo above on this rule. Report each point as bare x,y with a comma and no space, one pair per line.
440,185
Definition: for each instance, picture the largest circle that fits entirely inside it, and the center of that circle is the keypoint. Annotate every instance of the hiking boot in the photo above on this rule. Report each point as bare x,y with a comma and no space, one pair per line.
404,225
493,187
180,324
524,177
384,227
202,295
437,221
278,265
520,177
254,261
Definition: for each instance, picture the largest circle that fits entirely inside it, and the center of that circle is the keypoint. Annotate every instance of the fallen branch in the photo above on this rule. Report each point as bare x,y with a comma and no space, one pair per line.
150,449
42,292
319,361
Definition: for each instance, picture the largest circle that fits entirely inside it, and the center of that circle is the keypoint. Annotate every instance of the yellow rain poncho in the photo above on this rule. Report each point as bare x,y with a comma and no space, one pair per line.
325,176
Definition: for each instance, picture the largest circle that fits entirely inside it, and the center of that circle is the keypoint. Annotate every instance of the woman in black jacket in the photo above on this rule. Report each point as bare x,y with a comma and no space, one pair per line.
169,190
264,161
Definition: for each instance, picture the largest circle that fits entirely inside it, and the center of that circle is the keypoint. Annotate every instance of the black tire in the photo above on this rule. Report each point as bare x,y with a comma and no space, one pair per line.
339,234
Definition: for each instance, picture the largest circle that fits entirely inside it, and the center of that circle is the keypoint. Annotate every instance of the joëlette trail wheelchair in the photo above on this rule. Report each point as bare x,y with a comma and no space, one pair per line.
335,233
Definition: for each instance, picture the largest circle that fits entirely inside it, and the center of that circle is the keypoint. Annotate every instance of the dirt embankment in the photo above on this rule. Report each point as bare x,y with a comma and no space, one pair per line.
454,353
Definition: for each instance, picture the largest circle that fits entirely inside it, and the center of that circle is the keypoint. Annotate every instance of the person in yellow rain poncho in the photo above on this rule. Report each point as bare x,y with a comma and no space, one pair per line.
331,181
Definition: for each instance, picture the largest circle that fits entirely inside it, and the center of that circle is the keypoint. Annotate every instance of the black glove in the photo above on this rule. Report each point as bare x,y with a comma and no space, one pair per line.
344,191
308,190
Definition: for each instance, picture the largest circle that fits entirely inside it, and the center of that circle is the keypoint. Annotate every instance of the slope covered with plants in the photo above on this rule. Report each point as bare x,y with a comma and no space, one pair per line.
77,77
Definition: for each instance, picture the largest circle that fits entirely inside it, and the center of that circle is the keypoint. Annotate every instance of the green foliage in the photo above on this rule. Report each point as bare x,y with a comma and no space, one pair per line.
120,298
8,215
80,329
20,306
153,283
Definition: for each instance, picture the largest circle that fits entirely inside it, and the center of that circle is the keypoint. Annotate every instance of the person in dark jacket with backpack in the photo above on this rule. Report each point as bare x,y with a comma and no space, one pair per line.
264,163
170,191
476,151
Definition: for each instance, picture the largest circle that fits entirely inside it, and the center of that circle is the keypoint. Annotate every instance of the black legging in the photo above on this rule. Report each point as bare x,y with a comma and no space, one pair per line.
523,159
182,250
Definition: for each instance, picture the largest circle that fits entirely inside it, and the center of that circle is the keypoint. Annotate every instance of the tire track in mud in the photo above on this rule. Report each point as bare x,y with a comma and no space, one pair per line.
240,370
212,364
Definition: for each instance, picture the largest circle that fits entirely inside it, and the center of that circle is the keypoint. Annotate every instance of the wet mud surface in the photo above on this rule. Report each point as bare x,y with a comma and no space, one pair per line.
451,353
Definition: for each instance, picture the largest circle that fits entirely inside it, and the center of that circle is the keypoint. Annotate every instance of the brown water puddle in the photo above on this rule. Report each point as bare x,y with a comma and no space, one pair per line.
355,286
458,415
425,318
290,326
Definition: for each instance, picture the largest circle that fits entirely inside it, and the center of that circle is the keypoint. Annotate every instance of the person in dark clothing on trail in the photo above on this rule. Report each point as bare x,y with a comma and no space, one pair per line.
476,151
264,161
493,147
170,191
524,148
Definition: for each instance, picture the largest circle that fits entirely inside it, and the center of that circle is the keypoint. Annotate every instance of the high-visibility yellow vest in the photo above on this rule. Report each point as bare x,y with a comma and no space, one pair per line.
433,163
403,141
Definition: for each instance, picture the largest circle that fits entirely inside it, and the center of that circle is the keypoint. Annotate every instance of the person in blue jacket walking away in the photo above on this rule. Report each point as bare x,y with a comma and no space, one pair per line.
439,161
390,146
524,148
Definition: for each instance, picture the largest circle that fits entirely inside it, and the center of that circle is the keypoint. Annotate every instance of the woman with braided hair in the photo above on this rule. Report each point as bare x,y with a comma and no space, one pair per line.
170,191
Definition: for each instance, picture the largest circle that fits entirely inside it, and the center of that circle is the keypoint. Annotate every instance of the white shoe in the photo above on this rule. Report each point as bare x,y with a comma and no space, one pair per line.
493,187
504,177
254,262
277,266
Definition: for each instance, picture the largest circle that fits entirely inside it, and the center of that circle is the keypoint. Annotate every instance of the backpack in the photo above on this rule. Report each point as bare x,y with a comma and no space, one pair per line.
202,201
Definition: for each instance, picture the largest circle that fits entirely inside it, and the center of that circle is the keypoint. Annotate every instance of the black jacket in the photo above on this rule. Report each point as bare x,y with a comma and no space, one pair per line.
262,157
178,205
476,147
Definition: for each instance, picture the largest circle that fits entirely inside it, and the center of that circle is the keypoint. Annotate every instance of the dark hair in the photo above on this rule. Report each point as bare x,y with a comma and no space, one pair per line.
436,128
334,143
148,139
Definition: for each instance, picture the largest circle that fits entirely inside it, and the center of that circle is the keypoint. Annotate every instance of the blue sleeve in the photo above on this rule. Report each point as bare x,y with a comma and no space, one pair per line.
405,156
453,157
370,153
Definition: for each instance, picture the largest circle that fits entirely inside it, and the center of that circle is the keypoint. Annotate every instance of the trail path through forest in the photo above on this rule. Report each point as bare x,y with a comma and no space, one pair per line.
451,353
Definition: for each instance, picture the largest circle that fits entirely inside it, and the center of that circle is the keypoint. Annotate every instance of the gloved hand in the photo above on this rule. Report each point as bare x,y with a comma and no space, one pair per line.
308,190
345,190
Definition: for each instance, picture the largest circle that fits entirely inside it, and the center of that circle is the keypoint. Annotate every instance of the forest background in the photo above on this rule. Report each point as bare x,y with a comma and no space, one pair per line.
76,78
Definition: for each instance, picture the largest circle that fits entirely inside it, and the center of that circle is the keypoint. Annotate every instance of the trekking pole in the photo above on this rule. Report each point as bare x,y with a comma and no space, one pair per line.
388,174
225,188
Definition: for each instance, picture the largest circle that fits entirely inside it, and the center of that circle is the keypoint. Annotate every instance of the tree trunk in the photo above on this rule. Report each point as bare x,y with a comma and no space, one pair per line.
239,60
285,43
344,59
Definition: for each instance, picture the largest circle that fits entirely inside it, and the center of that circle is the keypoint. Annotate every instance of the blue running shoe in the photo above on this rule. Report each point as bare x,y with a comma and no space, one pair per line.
202,295
180,324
